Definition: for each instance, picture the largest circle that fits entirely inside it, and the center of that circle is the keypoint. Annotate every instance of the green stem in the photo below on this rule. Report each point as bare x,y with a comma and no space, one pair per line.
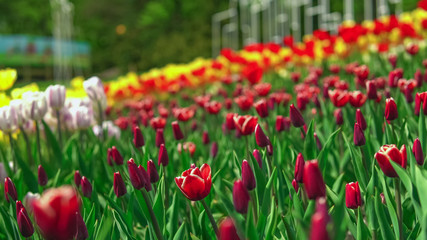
254,206
398,205
153,217
28,145
58,118
39,150
209,213
166,188
303,132
364,161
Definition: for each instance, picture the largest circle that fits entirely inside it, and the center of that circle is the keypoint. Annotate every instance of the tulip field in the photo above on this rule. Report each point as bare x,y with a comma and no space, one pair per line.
323,139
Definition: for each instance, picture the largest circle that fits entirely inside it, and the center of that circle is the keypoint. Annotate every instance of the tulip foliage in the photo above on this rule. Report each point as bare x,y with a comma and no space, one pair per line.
327,151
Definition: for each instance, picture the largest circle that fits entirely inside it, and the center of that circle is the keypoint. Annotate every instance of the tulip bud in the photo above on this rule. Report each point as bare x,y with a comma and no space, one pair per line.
110,156
295,185
338,116
42,177
135,175
313,180
296,117
163,156
77,178
392,59
160,139
248,176
408,94
227,230
119,185
371,89
353,198
19,206
417,150
146,177
81,232
55,96
390,109
176,129
9,190
214,149
118,159
261,108
417,104
229,121
359,136
360,119
258,157
299,168
319,221
138,139
240,197
269,148
418,76
24,224
86,187
260,137
280,125
205,138
152,172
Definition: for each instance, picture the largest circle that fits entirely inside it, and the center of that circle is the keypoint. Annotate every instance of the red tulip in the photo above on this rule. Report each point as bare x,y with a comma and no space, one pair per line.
394,76
338,116
261,108
227,230
390,109
353,198
260,137
295,185
136,177
313,180
296,117
81,233
229,121
359,136
240,197
392,60
189,147
138,139
24,223
244,102
183,114
253,72
248,176
152,172
55,213
262,88
86,187
9,190
195,183
371,89
202,100
295,76
299,168
213,107
119,185
418,76
245,124
412,49
214,149
257,156
77,178
205,138
163,156
360,119
319,221
357,99
146,177
176,129
42,176
118,159
339,97
157,123
391,152
280,125
270,148
160,139
417,150
361,72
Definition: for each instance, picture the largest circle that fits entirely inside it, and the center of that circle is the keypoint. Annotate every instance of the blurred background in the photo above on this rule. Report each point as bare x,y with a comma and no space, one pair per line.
113,37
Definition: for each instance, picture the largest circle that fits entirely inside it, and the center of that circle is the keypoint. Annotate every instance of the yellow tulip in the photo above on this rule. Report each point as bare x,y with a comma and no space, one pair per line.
17,92
7,78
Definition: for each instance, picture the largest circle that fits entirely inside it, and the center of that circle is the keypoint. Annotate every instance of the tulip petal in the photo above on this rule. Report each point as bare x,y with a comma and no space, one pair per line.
193,187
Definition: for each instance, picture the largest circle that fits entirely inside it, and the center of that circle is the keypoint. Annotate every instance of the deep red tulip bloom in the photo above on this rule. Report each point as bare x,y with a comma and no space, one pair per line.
248,176
353,198
244,102
394,76
202,100
24,223
299,168
245,124
258,157
295,76
392,59
55,213
295,185
20,206
81,233
146,177
158,123
371,89
213,107
313,180
42,176
417,150
9,190
138,139
195,183
183,114
260,137
86,187
280,124
240,197
412,49
360,119
357,99
418,76
122,123
117,157
77,178
136,177
109,157
119,185
160,139
205,138
319,221
339,120
262,88
176,129
214,149
359,136
227,230
296,117
163,156
339,97
390,112
389,153
152,171
361,72
253,72
261,108
228,103
229,121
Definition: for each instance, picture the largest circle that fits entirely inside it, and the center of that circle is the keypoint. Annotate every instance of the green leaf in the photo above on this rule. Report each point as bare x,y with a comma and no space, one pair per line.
382,218
180,233
357,165
324,153
310,142
53,143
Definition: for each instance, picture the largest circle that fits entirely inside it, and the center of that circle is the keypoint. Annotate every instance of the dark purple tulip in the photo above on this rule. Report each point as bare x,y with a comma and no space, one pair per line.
417,150
138,139
110,156
299,168
77,178
214,149
338,116
240,197
146,176
24,224
9,190
296,117
205,138
176,129
152,172
163,156
390,112
42,176
86,187
408,95
313,180
135,175
260,137
118,159
418,76
160,139
361,119
359,136
248,176
19,206
81,233
119,185
371,90
258,157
